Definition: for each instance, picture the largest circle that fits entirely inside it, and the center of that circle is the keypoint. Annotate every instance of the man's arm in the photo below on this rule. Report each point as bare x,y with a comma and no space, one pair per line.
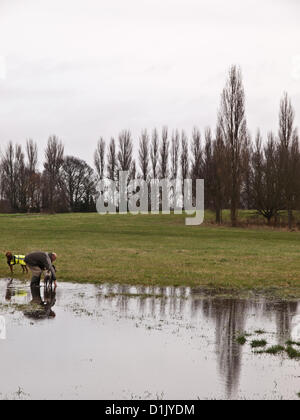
50,268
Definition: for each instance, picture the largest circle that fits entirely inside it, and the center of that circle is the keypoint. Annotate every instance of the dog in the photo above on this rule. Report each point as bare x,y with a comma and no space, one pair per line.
48,281
13,260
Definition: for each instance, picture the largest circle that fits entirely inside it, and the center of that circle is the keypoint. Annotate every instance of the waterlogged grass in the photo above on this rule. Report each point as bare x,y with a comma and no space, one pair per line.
292,343
157,250
293,353
242,340
258,343
275,350
289,349
259,332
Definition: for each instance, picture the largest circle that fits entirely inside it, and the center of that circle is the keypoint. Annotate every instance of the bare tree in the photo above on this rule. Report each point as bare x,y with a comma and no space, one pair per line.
125,151
155,154
175,154
287,136
246,172
99,158
184,159
219,174
208,169
54,158
8,178
233,122
265,185
196,151
164,154
14,178
21,179
112,160
77,175
32,155
144,155
34,179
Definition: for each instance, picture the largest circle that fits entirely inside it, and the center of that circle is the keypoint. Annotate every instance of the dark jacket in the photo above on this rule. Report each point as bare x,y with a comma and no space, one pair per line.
41,260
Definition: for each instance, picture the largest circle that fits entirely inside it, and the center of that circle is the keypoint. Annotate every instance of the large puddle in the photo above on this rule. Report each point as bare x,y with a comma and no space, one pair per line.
116,342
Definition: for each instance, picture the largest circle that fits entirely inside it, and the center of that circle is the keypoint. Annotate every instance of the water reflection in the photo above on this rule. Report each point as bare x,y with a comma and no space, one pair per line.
229,317
33,305
13,293
206,325
40,308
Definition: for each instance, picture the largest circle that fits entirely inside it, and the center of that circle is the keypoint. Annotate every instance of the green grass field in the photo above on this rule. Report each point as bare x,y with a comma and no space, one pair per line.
156,250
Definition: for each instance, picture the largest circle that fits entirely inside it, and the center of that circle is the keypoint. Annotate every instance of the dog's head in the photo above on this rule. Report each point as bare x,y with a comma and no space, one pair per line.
9,257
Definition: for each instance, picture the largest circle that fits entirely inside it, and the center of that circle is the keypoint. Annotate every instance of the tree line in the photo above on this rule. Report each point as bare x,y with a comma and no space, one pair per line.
240,172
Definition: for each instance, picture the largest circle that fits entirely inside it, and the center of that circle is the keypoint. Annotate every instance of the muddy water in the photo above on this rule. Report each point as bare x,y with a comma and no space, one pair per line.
90,341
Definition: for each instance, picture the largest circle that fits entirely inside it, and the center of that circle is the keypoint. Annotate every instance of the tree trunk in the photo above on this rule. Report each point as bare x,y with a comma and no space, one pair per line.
290,217
219,215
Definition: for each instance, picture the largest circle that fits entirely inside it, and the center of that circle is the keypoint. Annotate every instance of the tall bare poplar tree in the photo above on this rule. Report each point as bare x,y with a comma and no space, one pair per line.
287,142
125,151
33,176
54,159
233,122
184,159
175,154
154,154
164,154
21,179
246,169
219,174
196,150
112,163
208,169
99,158
8,178
144,155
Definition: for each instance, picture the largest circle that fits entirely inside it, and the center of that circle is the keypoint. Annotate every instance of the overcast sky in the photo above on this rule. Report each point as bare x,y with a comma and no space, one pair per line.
88,68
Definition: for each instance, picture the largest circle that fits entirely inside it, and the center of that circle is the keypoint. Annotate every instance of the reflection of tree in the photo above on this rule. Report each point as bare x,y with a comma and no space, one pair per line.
229,315
284,314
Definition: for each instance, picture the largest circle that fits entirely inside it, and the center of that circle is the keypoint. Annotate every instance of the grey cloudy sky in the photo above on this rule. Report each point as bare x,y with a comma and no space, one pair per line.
88,68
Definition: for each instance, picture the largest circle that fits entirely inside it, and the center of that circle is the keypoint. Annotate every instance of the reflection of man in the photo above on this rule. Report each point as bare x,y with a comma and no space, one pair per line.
39,309
38,262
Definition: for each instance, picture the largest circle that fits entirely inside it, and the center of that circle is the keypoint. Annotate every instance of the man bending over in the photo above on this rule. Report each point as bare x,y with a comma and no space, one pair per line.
37,263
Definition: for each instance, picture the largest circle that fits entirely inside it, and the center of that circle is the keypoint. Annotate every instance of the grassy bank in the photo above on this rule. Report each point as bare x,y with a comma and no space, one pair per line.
156,250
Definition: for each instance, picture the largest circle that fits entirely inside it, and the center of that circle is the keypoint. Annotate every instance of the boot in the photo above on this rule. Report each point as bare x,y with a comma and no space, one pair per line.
35,281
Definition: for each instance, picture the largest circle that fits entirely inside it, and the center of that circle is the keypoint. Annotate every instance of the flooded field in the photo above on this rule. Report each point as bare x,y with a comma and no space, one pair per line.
116,342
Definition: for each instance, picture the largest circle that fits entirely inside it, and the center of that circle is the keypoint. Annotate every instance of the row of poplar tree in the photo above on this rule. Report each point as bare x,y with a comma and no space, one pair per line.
240,172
